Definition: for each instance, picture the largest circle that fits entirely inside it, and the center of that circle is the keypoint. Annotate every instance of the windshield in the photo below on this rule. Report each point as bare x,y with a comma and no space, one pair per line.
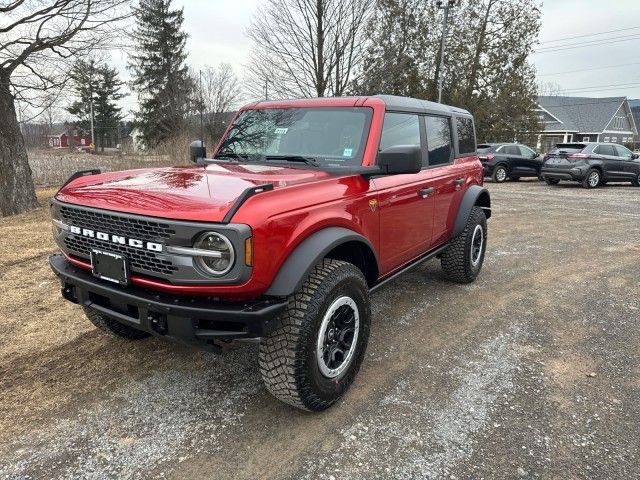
330,137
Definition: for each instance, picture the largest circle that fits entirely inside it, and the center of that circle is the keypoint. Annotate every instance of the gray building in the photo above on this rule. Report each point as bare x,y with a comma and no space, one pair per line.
583,119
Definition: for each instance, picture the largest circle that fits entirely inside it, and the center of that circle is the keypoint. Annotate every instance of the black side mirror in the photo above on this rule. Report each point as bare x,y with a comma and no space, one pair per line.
197,151
635,156
400,159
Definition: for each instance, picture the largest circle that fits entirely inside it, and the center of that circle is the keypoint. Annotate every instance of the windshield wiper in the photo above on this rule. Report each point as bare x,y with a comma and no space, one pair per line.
294,158
231,156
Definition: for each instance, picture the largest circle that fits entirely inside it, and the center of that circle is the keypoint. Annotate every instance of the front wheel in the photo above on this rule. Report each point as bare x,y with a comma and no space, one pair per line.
463,258
311,358
592,178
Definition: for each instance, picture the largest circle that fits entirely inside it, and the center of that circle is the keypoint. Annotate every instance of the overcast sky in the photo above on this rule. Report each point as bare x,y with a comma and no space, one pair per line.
217,33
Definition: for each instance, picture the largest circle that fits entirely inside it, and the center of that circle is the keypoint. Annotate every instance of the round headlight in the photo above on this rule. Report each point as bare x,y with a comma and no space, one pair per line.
219,264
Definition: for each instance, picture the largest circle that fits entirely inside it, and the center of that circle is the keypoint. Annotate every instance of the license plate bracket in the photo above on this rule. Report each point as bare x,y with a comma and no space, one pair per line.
110,266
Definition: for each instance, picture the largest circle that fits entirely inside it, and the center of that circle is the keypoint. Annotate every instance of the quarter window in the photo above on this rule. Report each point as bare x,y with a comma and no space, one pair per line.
439,140
466,135
400,129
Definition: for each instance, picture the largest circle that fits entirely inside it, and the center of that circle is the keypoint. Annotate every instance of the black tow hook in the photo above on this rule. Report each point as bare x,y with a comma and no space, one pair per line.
68,293
158,323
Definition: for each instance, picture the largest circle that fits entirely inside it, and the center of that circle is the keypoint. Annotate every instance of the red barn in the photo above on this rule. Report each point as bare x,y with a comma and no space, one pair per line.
61,140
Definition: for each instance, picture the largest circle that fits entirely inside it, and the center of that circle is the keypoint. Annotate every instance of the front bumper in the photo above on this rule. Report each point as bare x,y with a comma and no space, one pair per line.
193,320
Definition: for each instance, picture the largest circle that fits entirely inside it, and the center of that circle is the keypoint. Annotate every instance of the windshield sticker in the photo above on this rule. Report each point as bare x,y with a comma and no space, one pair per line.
347,152
281,130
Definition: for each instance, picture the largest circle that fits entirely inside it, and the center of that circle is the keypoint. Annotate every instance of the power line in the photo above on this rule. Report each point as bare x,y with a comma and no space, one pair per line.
588,69
603,87
589,35
595,43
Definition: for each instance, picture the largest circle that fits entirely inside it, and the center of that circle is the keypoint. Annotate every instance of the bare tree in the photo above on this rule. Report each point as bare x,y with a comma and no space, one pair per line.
306,47
38,39
220,92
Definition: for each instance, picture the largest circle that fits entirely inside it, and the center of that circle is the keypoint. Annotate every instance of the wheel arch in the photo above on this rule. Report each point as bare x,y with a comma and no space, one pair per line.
337,243
474,196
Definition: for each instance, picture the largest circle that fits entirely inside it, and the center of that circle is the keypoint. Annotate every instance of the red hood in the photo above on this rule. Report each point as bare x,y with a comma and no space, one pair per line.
198,193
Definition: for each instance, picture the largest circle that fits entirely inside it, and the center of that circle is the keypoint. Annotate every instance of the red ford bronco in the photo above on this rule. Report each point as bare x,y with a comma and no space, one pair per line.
303,209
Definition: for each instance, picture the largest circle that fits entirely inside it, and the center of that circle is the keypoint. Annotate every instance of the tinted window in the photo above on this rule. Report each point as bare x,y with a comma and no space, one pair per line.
400,129
606,150
466,135
510,150
623,152
438,140
526,151
568,148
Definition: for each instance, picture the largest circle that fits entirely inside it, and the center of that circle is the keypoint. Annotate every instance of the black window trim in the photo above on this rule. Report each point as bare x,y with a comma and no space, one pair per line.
452,155
456,140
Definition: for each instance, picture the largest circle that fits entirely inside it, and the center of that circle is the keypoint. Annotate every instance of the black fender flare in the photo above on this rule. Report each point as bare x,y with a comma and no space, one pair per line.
475,195
308,254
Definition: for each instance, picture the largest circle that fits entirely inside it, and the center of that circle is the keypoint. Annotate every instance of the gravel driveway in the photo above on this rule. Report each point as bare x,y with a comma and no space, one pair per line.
532,371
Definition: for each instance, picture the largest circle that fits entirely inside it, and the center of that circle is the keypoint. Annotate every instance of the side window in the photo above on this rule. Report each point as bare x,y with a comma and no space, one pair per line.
400,129
606,150
623,152
466,135
511,150
439,140
526,151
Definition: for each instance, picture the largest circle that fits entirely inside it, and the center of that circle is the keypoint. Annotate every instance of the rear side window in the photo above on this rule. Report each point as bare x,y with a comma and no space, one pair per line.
439,140
466,135
511,150
606,150
400,129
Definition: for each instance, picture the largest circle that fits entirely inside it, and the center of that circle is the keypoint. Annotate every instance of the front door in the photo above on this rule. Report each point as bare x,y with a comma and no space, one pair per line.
405,201
613,166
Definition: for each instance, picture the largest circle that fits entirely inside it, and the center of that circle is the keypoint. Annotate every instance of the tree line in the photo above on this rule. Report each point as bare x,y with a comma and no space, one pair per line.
300,48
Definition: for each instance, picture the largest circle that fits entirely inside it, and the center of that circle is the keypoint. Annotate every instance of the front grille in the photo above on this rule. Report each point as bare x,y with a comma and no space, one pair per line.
140,229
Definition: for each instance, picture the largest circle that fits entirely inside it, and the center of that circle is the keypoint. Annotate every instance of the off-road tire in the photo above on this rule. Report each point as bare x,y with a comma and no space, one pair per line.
456,258
498,177
112,326
287,358
587,183
552,181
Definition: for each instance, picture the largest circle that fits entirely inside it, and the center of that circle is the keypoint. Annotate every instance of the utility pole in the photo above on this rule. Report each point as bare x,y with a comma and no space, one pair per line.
201,112
93,138
445,5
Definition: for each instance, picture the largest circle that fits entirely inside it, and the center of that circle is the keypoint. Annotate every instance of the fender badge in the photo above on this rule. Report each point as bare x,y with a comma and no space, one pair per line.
373,204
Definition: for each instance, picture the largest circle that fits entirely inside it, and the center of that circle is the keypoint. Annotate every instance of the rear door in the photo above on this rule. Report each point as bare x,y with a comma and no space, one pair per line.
447,178
405,201
512,153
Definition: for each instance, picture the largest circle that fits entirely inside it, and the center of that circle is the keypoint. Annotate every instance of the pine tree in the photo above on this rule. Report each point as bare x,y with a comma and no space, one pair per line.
160,76
106,112
92,81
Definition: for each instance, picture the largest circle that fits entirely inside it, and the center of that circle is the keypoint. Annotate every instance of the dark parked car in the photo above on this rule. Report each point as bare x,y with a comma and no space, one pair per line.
509,160
592,164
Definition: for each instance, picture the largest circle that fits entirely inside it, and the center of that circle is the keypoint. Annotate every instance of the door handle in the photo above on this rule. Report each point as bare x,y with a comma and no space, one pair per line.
458,181
424,192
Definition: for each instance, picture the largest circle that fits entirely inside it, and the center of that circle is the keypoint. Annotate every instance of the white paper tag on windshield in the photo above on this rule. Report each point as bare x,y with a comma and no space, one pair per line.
347,152
281,130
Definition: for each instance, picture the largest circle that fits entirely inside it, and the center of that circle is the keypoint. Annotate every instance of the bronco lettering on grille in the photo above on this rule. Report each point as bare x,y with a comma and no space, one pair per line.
132,242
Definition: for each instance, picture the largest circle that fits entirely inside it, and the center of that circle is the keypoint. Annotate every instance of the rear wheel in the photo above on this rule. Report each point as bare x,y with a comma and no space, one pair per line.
311,358
592,178
552,181
463,258
112,326
500,174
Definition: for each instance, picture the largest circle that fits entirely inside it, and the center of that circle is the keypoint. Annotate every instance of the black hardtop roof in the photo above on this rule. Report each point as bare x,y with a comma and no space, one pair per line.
415,105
